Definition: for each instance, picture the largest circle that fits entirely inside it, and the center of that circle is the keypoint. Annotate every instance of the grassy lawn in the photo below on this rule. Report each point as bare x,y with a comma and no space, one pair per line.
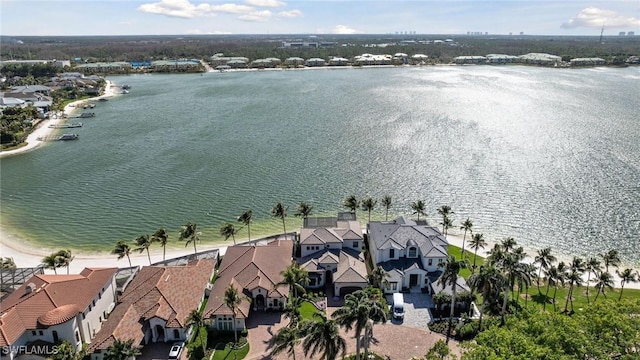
224,352
307,310
456,251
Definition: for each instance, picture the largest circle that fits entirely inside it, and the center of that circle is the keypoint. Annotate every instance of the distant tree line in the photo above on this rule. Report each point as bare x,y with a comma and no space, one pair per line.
130,48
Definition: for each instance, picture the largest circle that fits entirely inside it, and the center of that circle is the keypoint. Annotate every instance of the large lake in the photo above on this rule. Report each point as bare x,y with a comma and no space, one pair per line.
550,157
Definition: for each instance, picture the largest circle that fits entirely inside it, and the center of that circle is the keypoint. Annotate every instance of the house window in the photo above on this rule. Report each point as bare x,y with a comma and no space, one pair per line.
392,253
356,244
308,247
440,261
176,334
394,286
430,262
426,281
77,336
33,332
225,323
83,316
312,282
413,252
40,333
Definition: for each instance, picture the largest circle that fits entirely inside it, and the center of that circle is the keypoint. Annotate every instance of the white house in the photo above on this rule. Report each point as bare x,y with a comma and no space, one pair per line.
51,308
407,251
330,249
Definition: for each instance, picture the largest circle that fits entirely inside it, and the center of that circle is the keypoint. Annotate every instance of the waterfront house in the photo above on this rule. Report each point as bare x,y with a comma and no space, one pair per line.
254,270
155,305
315,62
50,308
409,252
330,251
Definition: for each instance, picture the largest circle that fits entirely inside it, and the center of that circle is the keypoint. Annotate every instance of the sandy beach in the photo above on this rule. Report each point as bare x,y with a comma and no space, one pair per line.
43,128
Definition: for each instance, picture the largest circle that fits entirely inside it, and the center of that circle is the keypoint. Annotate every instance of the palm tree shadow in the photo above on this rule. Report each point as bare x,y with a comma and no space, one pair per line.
541,299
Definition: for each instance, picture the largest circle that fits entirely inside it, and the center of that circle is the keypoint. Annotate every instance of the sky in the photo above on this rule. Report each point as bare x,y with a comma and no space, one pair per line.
183,17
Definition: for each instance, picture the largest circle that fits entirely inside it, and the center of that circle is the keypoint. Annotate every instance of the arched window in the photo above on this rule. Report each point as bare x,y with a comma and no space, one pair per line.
413,252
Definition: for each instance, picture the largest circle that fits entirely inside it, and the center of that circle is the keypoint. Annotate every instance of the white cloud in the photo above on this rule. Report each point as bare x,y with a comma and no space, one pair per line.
343,29
290,14
256,16
175,8
265,3
187,10
592,17
231,8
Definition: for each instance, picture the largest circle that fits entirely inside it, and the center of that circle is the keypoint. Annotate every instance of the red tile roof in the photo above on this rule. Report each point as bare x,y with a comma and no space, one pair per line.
43,294
166,292
248,267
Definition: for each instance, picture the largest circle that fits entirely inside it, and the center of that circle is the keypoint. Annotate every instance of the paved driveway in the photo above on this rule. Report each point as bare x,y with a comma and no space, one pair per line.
399,342
416,310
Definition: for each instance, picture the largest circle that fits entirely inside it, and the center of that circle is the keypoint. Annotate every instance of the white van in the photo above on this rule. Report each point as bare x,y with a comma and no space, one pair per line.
398,306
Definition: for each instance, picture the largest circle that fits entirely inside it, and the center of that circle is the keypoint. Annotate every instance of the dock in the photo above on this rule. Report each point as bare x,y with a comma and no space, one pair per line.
65,126
62,137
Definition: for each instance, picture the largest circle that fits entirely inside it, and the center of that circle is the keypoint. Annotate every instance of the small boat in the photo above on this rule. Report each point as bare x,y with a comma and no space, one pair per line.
125,91
103,99
86,115
65,126
126,87
68,137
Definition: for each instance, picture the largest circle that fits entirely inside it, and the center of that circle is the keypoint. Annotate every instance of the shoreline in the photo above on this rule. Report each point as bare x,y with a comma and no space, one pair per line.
43,128
26,256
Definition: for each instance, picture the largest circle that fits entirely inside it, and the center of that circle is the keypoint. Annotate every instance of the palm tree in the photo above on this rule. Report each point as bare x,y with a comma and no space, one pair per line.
418,208
65,257
122,249
245,218
626,276
51,262
351,203
602,280
196,320
229,231
467,225
488,282
304,210
291,310
574,277
378,277
451,269
545,259
508,244
356,313
445,211
7,263
551,274
612,258
386,202
143,242
476,242
280,211
323,336
447,224
560,278
592,266
122,350
368,205
161,236
232,299
286,339
296,278
190,234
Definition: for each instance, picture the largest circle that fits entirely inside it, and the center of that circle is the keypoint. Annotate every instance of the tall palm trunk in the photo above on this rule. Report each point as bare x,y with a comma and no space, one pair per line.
505,301
128,258
566,303
475,254
358,336
195,251
235,329
555,291
546,296
164,252
538,279
451,313
285,228
148,256
588,279
621,290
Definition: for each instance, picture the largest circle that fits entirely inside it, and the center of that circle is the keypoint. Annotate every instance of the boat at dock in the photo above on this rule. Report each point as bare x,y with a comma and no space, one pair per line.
68,137
65,126
84,115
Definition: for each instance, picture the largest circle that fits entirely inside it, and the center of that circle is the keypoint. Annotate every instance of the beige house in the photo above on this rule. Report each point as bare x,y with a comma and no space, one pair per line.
254,270
330,251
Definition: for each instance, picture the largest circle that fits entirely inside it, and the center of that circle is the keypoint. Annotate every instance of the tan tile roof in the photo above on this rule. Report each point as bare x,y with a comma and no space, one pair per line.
166,292
44,293
351,269
247,267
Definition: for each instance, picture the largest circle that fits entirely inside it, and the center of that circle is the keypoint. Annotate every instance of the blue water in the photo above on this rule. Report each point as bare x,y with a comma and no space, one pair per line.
548,156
